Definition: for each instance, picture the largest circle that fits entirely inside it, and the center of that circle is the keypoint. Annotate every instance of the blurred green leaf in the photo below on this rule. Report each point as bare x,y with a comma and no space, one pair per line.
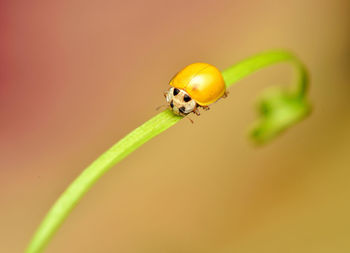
278,111
279,108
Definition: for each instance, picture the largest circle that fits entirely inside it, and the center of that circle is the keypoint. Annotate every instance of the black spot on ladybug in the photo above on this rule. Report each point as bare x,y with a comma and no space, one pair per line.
187,98
172,104
176,91
182,109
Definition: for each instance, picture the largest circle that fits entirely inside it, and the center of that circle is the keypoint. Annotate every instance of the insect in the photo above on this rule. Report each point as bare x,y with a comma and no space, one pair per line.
197,85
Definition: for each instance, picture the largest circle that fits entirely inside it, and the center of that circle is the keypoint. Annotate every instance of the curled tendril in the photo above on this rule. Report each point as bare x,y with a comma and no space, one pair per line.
278,108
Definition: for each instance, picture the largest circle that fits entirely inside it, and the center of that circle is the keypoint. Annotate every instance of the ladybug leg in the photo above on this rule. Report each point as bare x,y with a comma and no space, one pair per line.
165,93
190,120
206,108
196,111
225,94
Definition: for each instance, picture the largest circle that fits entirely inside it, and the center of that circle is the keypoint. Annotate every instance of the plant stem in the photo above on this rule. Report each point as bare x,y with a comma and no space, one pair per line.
91,174
68,200
262,60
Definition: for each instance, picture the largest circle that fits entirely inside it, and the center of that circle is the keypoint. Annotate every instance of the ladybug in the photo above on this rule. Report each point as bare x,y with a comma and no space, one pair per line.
196,85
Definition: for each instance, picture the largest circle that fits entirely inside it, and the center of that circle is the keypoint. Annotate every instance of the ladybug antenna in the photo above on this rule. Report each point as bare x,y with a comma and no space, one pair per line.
158,108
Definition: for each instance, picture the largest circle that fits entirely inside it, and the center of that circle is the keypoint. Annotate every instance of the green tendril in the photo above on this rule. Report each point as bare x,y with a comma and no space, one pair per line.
279,109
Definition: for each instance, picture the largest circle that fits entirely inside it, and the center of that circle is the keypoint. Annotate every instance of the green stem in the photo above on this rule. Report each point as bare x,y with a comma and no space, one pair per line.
91,174
67,201
262,60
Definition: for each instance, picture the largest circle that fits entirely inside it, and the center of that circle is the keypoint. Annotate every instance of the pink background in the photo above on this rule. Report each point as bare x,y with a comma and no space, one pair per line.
76,76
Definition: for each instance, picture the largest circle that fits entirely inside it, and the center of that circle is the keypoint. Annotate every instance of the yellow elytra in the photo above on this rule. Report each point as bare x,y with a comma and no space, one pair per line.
203,83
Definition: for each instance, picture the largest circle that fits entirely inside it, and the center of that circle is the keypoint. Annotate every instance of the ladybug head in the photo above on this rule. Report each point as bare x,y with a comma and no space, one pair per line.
180,102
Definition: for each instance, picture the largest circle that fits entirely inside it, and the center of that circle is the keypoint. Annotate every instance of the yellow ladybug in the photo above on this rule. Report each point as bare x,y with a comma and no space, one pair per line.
197,85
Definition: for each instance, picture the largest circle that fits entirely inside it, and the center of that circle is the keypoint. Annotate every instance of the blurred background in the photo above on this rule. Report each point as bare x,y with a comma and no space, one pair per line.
76,76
